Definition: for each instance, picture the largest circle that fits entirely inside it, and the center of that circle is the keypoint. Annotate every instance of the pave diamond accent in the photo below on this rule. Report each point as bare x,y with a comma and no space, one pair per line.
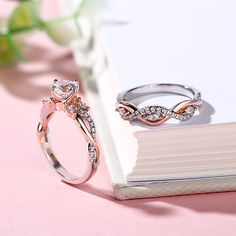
64,88
153,117
90,121
81,108
153,113
78,107
190,110
126,115
150,113
92,154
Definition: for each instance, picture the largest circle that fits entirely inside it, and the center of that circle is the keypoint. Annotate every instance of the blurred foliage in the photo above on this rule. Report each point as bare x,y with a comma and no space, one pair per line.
26,18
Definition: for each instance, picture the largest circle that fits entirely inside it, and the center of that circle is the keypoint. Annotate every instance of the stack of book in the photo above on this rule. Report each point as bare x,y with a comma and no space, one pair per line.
184,42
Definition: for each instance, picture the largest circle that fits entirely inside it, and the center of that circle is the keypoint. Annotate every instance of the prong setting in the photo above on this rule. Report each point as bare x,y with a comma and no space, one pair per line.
63,90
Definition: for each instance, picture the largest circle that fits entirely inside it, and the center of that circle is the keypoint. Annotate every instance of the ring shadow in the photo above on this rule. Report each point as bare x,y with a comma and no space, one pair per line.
208,202
143,205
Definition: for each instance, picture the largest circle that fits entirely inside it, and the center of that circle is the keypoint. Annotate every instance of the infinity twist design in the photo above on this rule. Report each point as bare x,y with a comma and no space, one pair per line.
156,115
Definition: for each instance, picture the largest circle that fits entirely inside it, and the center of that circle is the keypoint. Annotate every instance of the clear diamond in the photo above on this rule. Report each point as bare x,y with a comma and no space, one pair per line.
177,116
92,153
173,115
126,115
152,109
136,113
168,112
153,116
190,110
83,106
64,88
163,111
121,111
182,117
71,108
142,111
147,110
93,129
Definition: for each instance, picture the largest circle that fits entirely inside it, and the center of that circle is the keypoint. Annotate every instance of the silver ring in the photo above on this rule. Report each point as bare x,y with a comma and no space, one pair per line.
157,114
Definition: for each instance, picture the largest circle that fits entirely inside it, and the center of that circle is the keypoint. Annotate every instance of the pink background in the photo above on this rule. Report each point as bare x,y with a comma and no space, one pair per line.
33,201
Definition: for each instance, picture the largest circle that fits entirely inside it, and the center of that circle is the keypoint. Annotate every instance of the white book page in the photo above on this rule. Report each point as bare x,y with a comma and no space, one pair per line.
186,42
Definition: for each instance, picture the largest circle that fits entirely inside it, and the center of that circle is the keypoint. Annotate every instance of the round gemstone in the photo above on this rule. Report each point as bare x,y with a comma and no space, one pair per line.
152,109
65,88
153,116
122,111
190,110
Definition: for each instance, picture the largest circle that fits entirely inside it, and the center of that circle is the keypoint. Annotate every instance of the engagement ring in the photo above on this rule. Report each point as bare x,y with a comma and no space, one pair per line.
64,97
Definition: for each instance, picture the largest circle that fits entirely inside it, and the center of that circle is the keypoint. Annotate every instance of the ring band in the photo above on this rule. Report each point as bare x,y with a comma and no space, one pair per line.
156,115
64,97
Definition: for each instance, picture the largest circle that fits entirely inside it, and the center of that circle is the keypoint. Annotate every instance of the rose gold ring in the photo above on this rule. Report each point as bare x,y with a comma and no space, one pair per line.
156,114
64,97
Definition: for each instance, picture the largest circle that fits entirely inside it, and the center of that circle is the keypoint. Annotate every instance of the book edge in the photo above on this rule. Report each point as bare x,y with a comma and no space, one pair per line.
176,188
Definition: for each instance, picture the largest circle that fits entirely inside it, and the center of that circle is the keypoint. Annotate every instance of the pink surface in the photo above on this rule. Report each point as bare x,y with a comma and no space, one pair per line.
33,201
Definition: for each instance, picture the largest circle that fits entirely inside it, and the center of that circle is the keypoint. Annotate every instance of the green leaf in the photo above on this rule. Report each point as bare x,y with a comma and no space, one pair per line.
9,51
25,16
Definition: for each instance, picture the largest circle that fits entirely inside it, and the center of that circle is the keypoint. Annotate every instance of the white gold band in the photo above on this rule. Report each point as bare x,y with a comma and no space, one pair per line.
156,115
